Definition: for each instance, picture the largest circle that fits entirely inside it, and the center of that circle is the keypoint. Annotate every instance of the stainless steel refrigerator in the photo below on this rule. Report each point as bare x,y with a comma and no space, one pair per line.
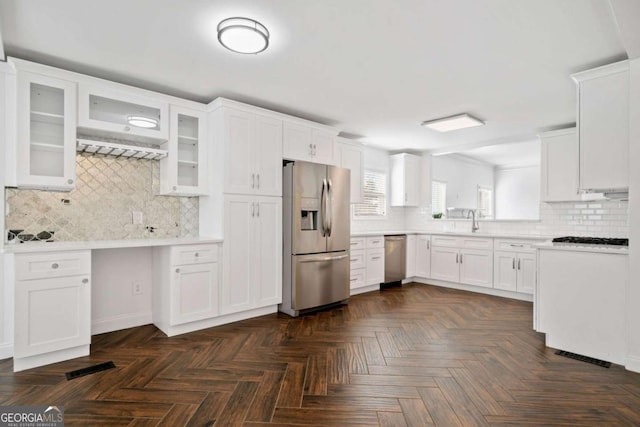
316,236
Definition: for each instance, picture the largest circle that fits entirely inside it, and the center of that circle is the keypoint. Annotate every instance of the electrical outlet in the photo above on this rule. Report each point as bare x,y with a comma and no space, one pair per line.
137,218
136,288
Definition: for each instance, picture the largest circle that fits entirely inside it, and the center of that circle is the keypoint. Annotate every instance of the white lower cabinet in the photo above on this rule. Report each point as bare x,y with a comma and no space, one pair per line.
367,262
423,256
52,307
457,259
515,266
186,281
252,273
410,258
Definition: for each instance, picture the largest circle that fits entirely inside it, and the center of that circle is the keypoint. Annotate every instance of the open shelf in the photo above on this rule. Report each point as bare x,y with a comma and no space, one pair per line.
119,150
188,138
43,146
42,116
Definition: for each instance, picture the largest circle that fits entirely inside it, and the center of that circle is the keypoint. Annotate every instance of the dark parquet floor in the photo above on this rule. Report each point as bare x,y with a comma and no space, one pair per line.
412,356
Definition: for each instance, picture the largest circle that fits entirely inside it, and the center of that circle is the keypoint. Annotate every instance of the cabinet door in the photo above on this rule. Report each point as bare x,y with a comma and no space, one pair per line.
604,132
476,267
505,270
268,221
444,264
268,156
194,293
423,256
410,257
52,314
324,147
375,266
296,144
183,171
239,134
239,250
526,268
559,167
351,157
46,138
112,108
412,180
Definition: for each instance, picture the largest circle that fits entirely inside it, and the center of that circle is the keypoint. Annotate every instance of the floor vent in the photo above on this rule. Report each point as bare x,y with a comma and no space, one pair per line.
581,358
90,370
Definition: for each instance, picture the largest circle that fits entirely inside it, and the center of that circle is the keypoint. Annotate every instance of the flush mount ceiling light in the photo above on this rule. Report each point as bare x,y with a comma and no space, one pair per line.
142,122
446,124
243,35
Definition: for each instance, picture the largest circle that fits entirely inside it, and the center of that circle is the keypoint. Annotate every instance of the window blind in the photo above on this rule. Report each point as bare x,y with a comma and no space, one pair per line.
438,197
374,195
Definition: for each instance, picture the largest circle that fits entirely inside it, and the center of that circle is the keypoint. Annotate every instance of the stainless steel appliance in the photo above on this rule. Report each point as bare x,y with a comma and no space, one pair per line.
395,249
316,236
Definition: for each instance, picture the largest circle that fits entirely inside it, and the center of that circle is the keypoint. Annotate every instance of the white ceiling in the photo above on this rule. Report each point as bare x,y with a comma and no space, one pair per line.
374,69
517,154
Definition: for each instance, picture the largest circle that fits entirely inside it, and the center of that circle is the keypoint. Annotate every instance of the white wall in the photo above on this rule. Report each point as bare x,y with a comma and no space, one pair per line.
633,297
517,193
462,176
113,305
378,160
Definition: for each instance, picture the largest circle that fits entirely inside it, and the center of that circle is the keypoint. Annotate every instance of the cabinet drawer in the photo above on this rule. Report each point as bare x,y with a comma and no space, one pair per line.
193,254
375,242
476,243
52,264
357,279
445,241
357,259
515,245
358,243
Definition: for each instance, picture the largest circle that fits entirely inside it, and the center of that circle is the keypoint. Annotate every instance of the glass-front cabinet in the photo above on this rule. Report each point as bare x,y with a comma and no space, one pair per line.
183,171
122,114
46,132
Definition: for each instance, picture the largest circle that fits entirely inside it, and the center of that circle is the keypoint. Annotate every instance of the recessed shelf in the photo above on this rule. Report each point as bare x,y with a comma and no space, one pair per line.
43,146
42,116
188,138
187,163
119,150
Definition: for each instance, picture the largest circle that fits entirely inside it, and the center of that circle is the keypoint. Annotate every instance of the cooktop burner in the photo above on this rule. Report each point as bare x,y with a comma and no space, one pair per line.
592,240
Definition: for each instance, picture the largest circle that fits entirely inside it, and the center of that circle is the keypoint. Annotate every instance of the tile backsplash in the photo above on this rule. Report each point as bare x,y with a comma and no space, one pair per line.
108,190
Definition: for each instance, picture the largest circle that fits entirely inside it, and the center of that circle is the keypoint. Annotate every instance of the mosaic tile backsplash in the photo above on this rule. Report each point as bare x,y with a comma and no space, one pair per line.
108,190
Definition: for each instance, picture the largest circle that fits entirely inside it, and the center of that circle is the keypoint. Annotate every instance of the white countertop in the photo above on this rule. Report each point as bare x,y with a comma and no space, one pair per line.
603,249
102,244
452,233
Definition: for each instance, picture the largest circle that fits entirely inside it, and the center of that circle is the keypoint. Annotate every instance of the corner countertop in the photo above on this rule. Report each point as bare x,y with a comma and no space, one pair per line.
29,247
602,249
453,233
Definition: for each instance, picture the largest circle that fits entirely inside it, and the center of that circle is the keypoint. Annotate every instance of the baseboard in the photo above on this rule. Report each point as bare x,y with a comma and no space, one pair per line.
476,289
364,289
123,321
632,363
6,351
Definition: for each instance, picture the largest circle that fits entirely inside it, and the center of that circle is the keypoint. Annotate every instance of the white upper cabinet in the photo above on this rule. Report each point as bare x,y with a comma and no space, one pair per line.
252,153
603,127
46,132
405,180
559,166
108,110
306,143
183,171
350,156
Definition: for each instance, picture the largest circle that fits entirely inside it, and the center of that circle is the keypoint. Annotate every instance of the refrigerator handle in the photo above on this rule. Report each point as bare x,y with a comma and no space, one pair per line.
323,208
329,207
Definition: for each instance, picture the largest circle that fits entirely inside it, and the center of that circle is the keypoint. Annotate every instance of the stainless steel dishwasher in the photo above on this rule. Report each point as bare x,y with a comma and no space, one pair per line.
394,258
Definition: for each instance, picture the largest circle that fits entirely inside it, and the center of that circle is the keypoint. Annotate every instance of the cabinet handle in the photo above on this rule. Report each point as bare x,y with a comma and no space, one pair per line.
127,129
55,265
518,264
428,244
405,197
314,149
85,281
177,270
253,209
175,188
516,246
311,149
375,241
375,257
460,258
69,181
457,258
196,254
258,209
353,280
258,180
513,263
253,180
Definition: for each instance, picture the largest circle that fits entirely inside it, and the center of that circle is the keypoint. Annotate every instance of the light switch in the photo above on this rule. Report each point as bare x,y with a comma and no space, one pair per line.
137,217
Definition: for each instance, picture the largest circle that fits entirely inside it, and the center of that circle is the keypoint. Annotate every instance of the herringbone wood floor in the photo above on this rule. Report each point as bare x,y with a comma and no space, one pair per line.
414,356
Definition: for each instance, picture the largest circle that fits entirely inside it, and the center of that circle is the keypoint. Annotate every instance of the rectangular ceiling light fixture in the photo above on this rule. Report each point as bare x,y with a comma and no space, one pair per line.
446,124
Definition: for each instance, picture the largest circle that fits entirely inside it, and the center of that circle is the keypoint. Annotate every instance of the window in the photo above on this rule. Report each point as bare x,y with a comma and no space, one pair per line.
485,202
375,196
438,197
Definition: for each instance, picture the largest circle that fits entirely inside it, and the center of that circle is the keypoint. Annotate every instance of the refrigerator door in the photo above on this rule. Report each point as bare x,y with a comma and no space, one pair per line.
319,279
308,200
338,207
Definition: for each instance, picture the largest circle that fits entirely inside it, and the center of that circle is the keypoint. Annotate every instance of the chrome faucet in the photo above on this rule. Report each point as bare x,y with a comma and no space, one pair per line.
474,222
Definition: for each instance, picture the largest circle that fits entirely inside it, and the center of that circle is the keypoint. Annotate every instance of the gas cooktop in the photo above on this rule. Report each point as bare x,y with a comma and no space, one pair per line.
592,240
